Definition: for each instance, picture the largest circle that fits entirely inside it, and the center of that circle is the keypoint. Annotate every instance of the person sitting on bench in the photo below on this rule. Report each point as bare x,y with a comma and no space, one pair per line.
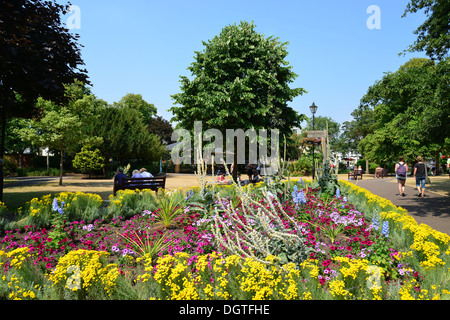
118,179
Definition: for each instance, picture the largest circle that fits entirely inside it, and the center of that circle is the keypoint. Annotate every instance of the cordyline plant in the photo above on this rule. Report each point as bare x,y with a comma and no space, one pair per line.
259,231
144,245
171,206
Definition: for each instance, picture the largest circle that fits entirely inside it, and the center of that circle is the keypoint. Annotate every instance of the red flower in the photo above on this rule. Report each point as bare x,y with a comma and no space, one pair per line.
326,263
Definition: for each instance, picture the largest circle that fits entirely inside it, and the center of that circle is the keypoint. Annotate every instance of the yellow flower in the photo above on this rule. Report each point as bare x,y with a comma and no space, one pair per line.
337,288
82,269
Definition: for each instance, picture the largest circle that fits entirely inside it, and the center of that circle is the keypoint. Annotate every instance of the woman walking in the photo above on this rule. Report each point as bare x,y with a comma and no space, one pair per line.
401,169
420,175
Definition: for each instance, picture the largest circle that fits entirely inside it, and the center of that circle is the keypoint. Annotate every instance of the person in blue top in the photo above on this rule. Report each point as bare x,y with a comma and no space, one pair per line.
136,174
420,175
145,173
118,179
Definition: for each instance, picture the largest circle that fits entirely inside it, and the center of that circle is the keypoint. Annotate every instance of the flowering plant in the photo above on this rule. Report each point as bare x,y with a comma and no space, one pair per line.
59,222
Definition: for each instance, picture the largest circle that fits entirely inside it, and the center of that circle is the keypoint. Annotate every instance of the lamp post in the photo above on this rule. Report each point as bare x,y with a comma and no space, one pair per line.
313,109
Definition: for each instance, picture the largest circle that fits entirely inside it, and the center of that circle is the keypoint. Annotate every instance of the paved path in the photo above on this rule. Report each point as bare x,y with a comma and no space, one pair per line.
433,210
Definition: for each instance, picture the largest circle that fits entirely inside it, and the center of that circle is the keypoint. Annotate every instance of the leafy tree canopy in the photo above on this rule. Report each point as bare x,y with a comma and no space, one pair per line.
135,101
240,80
124,135
39,55
60,126
433,36
162,128
411,109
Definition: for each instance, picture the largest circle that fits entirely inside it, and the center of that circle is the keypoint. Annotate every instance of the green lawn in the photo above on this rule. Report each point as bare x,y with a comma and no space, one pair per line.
15,197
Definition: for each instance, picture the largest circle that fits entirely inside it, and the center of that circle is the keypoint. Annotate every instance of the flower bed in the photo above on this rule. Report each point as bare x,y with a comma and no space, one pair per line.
276,241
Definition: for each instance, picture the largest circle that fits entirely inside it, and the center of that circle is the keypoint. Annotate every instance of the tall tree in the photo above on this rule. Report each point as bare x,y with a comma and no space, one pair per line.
239,81
162,128
433,36
135,101
411,108
356,130
38,56
13,143
124,135
60,126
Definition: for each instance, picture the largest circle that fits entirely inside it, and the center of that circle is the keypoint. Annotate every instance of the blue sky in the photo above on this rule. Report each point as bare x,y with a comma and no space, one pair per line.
142,46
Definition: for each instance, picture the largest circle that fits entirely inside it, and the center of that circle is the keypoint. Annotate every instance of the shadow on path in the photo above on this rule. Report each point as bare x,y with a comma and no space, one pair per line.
29,181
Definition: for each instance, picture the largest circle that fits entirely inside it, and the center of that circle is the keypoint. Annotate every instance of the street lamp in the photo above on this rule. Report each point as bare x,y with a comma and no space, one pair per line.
313,109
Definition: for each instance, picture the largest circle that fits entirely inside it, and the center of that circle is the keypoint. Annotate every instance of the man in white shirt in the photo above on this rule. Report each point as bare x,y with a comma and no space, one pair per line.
145,173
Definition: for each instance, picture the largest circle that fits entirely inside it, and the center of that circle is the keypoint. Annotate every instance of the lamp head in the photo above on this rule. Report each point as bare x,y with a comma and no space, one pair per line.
313,108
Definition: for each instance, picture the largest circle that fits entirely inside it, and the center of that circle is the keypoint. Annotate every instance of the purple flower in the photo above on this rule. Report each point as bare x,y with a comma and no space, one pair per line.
385,230
55,205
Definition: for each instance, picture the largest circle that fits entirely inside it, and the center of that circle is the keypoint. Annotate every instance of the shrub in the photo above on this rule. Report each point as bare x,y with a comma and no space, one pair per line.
128,203
78,206
88,161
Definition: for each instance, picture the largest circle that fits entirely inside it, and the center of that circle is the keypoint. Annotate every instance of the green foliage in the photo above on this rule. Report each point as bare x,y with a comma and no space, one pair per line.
203,201
61,126
125,135
240,80
433,36
143,244
58,233
39,54
302,166
289,250
128,203
327,181
410,109
88,160
171,206
37,172
381,255
135,101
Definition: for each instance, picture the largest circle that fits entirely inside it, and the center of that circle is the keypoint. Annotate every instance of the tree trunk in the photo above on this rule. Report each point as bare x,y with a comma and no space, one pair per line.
106,166
436,158
2,147
20,160
235,170
61,166
367,166
48,160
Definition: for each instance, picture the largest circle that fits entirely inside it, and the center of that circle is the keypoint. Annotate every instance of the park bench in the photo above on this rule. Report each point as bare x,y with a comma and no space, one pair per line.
154,183
381,173
355,174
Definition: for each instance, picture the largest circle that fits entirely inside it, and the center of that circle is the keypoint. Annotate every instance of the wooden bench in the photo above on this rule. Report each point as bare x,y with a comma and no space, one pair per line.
381,173
155,183
355,174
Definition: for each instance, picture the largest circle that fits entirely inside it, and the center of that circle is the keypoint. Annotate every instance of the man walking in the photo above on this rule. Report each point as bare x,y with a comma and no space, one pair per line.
420,175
